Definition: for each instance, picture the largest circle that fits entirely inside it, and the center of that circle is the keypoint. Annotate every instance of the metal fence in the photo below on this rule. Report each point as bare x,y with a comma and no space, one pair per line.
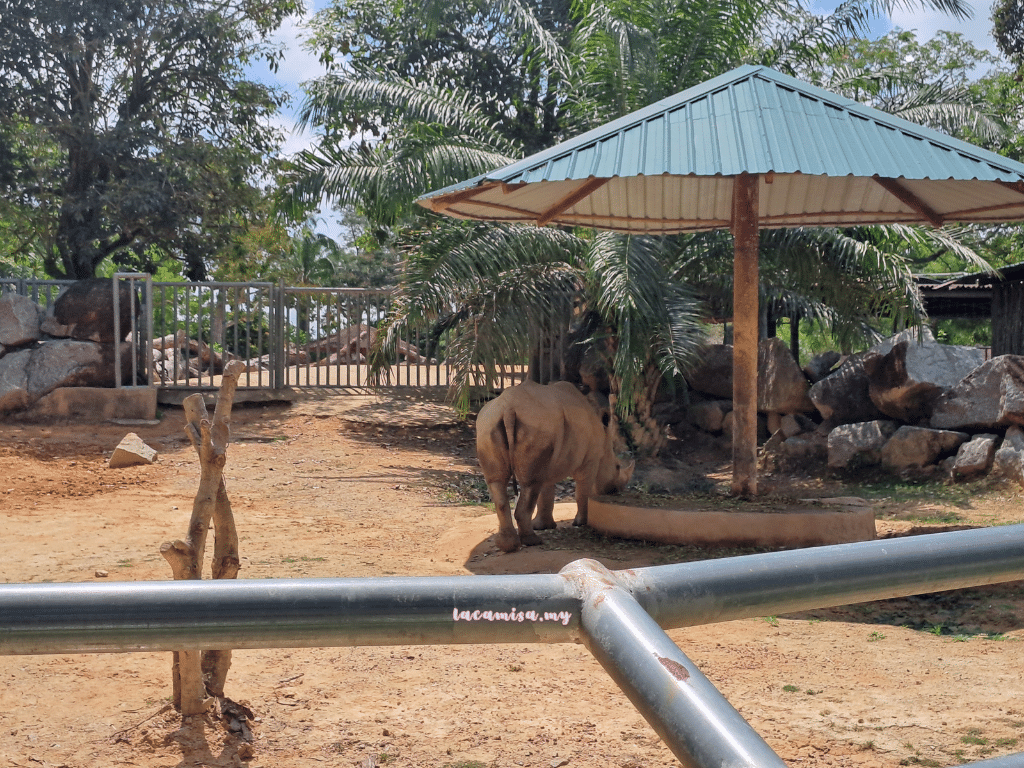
186,332
619,616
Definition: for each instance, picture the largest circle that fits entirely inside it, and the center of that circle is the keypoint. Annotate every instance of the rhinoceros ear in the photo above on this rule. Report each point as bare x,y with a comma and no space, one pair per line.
626,473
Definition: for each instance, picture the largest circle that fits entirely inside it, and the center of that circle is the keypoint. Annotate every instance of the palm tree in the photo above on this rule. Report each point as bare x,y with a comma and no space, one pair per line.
309,261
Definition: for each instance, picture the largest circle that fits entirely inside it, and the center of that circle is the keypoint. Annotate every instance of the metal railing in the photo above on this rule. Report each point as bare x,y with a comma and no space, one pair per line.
619,616
42,292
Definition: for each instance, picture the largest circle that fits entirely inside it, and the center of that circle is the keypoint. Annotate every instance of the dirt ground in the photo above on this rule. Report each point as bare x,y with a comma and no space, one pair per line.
356,486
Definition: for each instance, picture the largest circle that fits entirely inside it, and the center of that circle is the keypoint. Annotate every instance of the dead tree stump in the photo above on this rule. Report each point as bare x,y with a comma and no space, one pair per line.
192,693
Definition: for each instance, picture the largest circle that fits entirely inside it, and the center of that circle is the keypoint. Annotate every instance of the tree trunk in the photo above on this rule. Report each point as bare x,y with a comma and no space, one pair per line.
646,435
210,439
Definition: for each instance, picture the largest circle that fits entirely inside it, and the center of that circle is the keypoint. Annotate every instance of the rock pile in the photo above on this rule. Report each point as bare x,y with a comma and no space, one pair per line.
909,405
72,345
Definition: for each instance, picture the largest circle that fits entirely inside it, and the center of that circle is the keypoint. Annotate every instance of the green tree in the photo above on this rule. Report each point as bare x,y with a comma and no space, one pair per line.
150,132
1008,31
506,56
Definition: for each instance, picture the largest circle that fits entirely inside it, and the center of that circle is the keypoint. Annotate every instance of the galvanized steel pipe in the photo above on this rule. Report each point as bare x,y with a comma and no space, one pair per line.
149,616
710,591
693,719
284,613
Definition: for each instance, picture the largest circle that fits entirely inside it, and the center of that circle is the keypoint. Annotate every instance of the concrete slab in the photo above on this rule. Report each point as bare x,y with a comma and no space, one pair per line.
788,527
91,404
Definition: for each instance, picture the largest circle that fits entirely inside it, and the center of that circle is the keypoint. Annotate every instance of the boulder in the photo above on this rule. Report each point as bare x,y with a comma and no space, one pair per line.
820,366
1008,459
915,447
807,446
130,452
974,458
709,415
713,375
990,397
14,395
70,363
85,311
842,396
781,385
27,375
19,320
905,381
851,445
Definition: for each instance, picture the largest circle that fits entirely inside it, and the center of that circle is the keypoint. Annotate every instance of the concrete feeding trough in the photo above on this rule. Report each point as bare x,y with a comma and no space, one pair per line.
811,523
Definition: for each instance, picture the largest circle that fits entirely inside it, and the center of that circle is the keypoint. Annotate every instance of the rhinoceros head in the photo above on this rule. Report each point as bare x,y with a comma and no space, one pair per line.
614,476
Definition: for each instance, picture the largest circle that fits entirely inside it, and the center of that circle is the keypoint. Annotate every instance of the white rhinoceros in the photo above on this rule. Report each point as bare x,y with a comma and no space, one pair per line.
540,435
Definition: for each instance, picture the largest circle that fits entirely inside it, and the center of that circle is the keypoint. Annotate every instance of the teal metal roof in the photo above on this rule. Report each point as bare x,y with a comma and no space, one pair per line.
822,158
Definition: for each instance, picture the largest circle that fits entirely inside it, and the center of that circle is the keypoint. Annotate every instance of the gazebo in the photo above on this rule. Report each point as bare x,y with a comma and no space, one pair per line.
750,149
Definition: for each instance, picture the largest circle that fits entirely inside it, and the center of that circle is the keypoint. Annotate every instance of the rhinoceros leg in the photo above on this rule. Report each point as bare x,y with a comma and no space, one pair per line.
524,514
545,518
584,484
508,539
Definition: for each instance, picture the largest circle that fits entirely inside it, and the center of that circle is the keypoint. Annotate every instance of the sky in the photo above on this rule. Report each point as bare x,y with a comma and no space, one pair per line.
300,66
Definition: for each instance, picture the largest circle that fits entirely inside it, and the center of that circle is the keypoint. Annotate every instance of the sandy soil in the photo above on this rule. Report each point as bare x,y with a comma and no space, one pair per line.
361,487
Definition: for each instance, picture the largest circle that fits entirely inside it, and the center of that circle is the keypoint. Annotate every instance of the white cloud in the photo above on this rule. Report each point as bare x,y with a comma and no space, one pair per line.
297,65
926,22
296,139
978,29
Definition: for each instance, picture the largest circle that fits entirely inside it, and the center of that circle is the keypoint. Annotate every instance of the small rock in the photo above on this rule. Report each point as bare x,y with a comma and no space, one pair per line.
101,574
131,451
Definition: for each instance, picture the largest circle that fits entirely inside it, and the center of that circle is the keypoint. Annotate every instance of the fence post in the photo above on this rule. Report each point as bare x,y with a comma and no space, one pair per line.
279,341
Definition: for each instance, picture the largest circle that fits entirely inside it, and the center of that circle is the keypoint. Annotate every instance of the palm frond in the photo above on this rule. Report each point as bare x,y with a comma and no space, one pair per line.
389,99
655,319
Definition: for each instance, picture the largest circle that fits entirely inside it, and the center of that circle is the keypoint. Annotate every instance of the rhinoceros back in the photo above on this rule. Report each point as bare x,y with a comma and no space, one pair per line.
538,433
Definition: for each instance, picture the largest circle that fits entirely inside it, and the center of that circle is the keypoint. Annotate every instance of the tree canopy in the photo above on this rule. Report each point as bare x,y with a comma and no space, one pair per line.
130,129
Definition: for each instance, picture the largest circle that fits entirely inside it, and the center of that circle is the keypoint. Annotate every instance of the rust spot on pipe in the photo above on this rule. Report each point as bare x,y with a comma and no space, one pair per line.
677,670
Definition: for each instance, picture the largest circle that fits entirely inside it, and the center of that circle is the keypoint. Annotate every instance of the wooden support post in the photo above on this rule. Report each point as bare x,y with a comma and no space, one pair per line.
745,334
210,439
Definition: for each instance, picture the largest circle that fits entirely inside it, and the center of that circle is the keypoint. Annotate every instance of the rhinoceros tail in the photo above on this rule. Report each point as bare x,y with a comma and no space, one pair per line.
509,419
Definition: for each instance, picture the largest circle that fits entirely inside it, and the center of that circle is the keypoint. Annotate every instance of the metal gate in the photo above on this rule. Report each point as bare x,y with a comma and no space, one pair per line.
286,336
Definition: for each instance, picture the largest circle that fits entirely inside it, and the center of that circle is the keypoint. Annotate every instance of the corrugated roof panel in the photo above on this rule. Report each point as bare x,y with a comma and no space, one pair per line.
797,128
782,155
560,167
821,139
750,129
655,149
631,151
722,114
705,140
842,149
608,155
680,153
586,161
857,149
